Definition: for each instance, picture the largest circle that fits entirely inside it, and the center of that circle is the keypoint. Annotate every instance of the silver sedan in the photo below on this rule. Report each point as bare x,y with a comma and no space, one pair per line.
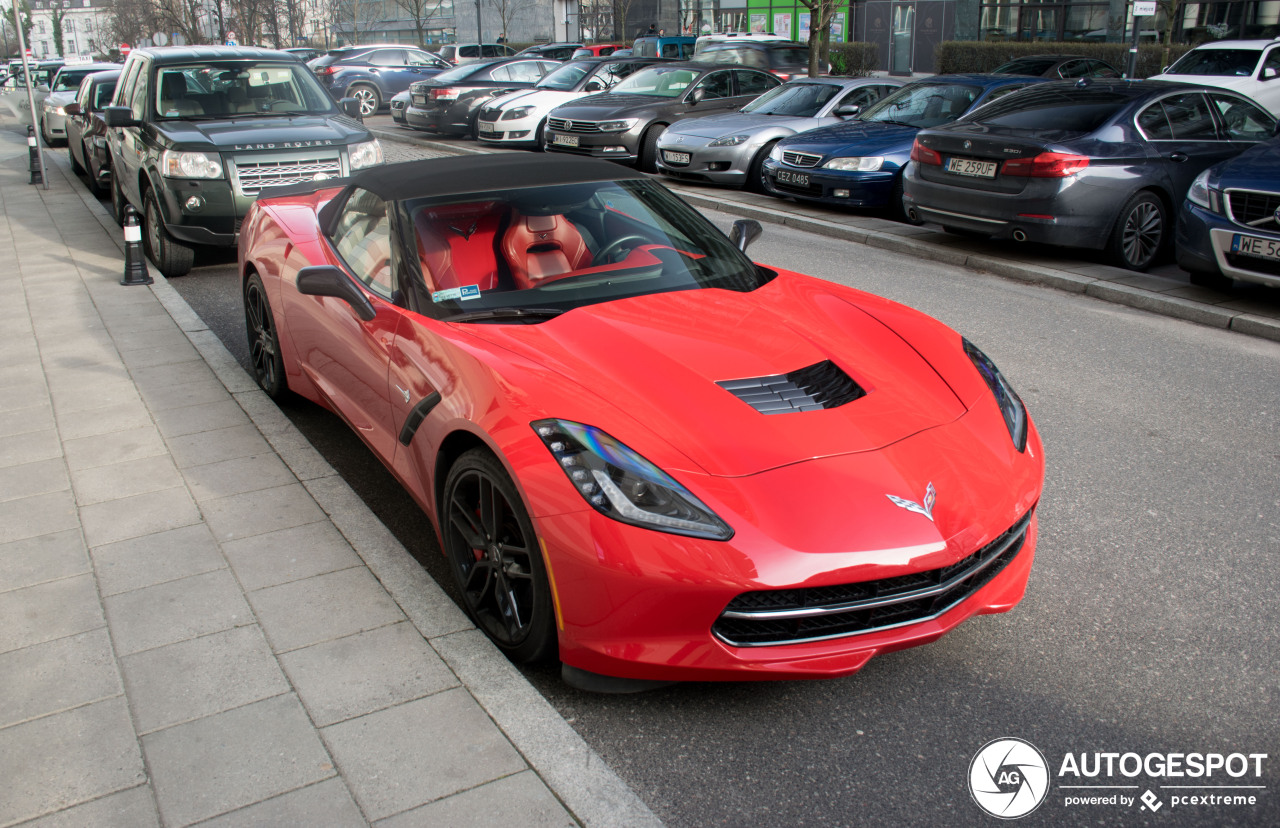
729,148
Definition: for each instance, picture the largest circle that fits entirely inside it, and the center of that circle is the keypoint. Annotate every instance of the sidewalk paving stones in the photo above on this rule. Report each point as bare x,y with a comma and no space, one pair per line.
200,622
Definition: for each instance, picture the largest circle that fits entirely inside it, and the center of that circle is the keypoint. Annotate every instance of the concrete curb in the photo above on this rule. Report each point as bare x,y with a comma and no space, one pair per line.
575,773
905,239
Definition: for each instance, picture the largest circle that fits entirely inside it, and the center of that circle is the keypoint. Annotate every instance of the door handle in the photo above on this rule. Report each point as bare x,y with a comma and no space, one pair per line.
1178,157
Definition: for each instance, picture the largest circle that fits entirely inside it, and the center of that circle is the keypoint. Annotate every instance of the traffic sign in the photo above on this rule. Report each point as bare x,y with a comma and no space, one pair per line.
125,48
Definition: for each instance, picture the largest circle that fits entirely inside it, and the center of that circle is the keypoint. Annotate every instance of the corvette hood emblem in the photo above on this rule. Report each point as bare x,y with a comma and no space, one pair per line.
925,508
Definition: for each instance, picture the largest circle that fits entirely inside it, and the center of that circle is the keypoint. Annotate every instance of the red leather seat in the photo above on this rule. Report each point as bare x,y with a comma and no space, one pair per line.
543,247
457,244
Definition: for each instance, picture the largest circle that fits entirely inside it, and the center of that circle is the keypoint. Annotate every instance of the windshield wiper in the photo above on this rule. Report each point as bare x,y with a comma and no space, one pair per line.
506,313
889,121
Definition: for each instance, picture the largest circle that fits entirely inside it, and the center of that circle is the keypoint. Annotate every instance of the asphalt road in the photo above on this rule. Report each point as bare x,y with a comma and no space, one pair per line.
1152,622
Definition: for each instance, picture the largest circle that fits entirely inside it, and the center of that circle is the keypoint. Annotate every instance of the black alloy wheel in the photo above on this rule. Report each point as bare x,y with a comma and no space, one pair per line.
171,258
368,97
755,172
264,344
495,557
1139,234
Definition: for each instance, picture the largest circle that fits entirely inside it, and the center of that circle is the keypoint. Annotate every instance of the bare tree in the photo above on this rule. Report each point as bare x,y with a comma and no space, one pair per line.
596,17
622,16
420,12
1172,11
507,11
821,13
128,21
182,17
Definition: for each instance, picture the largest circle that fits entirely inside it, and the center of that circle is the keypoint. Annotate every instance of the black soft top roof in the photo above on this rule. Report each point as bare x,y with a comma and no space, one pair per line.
460,175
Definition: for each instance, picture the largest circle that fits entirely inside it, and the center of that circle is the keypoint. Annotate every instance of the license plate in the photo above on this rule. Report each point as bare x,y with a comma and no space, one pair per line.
976,169
420,99
676,157
565,140
1256,247
794,179
485,126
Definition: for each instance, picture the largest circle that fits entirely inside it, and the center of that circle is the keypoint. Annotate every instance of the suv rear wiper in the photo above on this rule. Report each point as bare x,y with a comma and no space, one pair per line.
506,313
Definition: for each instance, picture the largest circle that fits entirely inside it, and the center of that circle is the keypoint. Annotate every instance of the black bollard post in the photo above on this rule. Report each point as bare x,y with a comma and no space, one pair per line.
33,161
135,263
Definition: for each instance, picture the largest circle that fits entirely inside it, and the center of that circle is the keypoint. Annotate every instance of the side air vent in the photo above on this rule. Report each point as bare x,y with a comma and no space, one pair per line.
822,385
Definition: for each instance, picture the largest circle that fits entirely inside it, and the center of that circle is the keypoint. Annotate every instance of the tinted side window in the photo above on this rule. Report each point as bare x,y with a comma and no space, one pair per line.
413,58
1154,124
1189,117
1072,69
1272,62
717,85
469,51
102,95
671,50
526,71
754,83
138,101
385,57
863,96
1242,119
1098,69
125,85
363,240
491,51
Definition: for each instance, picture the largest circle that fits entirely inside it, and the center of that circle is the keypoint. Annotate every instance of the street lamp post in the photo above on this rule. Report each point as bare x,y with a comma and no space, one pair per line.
31,96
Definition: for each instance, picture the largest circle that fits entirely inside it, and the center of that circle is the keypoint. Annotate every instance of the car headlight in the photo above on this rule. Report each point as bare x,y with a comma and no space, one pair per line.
775,154
175,164
1015,413
621,125
621,484
365,155
1201,194
517,113
730,141
869,163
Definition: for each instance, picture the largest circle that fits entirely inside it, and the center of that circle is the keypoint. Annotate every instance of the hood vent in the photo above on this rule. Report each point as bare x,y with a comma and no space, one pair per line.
822,385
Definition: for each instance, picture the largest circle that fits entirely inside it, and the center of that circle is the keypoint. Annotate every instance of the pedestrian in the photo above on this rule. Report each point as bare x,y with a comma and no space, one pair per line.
662,32
653,29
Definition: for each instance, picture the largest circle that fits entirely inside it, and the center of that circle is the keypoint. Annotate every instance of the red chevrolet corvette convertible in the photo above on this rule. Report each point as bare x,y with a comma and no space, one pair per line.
643,452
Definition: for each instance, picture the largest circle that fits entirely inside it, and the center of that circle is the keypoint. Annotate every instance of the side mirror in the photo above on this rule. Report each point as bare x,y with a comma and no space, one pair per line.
593,86
118,116
327,280
1164,70
44,87
744,232
72,108
351,108
847,111
696,96
1270,73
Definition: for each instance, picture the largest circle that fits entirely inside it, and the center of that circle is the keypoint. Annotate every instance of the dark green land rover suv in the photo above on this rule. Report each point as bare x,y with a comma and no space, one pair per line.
197,133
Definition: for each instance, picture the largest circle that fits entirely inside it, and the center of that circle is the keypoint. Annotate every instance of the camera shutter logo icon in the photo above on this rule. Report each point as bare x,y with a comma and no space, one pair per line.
1008,778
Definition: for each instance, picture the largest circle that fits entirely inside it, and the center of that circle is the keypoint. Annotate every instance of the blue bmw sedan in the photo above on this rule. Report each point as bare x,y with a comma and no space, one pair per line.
858,163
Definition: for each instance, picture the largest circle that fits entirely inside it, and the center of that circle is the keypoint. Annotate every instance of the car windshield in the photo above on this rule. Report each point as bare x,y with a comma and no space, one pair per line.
534,252
662,81
799,99
1050,108
924,105
70,81
1025,66
238,88
566,77
1217,62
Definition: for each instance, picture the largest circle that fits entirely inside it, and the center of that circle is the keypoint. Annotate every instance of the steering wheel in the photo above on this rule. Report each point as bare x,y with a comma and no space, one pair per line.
606,254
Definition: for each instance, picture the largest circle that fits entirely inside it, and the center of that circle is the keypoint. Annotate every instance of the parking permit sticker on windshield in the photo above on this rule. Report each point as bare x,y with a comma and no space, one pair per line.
461,293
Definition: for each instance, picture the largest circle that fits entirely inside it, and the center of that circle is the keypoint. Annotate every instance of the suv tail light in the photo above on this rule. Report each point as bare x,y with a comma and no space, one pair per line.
1047,165
923,155
327,70
444,94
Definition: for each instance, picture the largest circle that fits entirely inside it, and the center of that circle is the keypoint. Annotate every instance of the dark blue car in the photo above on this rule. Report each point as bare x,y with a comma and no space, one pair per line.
1229,226
858,163
374,75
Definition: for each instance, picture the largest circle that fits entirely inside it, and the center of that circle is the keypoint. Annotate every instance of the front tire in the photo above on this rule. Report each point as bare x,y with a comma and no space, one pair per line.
264,341
755,172
368,96
170,257
495,558
1140,232
648,160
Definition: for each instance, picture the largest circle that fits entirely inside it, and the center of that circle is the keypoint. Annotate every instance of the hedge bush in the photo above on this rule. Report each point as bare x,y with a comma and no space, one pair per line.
854,60
983,56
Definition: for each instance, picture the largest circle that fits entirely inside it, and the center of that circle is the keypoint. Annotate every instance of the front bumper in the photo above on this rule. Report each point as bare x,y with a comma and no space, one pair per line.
615,146
865,189
717,165
1204,244
397,111
216,222
56,124
1068,212
519,132
640,604
444,119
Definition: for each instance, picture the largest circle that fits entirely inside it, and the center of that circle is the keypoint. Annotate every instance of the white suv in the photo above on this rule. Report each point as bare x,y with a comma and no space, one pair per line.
1250,67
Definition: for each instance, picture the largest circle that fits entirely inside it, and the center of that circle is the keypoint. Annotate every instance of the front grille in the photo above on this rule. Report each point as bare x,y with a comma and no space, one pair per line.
791,616
1253,208
254,177
1254,264
566,125
819,386
800,159
397,104
488,114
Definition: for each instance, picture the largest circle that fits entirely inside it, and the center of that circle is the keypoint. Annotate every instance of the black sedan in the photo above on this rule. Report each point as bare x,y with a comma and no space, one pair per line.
87,132
1097,164
624,124
1058,67
450,102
